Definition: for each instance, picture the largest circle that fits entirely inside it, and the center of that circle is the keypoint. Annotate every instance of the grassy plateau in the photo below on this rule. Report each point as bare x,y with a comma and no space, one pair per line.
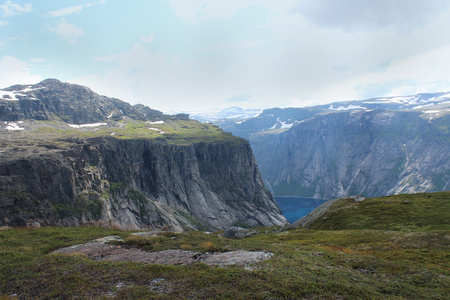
394,247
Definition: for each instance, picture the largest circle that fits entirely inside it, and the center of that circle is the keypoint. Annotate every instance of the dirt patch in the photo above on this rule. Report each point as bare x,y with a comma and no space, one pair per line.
100,250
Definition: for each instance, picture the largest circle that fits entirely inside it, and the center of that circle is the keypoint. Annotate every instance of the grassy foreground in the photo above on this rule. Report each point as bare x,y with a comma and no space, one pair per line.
392,263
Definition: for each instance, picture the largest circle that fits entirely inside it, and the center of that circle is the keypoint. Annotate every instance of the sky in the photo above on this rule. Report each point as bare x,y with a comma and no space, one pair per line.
197,55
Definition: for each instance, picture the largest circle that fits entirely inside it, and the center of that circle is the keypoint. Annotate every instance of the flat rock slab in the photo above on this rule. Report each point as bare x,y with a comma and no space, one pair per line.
99,250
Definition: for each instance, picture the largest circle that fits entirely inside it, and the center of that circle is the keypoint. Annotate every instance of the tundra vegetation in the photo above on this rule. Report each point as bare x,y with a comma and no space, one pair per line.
395,247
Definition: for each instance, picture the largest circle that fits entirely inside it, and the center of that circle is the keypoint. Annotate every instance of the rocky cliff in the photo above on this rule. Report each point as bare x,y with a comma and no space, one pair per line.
372,147
360,152
131,172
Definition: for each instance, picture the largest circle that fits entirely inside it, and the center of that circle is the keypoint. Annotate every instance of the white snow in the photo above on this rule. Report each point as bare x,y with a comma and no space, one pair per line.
13,126
350,107
156,122
444,96
110,115
432,111
8,95
422,106
28,89
87,125
284,125
156,129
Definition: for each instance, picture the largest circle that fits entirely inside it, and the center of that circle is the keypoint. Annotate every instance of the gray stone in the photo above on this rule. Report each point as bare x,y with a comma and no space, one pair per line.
235,232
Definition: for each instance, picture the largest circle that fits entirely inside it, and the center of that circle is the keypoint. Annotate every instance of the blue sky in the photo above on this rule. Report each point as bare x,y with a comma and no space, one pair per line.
190,55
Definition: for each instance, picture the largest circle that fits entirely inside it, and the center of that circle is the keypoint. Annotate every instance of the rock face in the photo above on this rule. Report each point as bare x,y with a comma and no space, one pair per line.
371,153
130,183
53,100
374,147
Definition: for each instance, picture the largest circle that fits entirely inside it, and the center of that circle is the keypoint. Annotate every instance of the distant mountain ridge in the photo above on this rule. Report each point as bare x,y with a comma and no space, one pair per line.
52,99
374,147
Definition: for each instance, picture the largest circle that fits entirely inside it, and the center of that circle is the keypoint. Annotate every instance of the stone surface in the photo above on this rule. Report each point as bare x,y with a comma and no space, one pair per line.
235,232
99,250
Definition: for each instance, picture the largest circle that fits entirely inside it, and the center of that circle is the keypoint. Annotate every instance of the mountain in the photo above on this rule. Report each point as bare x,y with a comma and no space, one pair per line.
373,147
72,157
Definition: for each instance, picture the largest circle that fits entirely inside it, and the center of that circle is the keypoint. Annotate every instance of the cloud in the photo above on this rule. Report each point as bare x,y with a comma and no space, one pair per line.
148,39
10,9
195,11
368,15
381,68
240,98
73,9
67,11
19,72
3,23
68,31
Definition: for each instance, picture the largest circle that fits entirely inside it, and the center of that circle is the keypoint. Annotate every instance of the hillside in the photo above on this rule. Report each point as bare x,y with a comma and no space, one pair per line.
71,157
404,260
417,212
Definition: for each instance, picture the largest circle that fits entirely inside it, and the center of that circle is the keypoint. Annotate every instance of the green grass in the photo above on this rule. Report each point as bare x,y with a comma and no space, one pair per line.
172,131
346,264
427,211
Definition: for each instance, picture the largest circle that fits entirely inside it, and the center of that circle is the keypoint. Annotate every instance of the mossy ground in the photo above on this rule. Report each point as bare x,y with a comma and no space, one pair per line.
56,134
390,263
425,211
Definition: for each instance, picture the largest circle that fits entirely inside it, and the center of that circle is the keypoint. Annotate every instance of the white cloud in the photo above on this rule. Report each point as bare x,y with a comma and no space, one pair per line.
73,9
194,11
68,31
10,9
67,11
3,23
356,15
148,39
15,71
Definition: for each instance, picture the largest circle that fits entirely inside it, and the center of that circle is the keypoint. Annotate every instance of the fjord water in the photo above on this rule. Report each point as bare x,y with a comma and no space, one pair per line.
294,208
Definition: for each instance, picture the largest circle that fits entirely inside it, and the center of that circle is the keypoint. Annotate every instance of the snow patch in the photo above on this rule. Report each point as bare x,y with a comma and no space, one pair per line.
284,125
12,95
155,122
13,126
87,125
432,111
156,129
422,106
350,107
110,115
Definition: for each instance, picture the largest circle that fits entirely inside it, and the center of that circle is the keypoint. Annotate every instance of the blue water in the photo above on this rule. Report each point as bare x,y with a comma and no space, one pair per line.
294,208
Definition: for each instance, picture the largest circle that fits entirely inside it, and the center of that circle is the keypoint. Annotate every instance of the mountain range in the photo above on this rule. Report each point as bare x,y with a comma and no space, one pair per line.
375,147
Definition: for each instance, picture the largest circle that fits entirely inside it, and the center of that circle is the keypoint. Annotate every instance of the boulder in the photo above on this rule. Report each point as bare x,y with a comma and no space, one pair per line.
235,232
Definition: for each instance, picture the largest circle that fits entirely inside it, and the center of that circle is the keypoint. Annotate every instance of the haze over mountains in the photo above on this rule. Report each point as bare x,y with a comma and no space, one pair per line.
374,147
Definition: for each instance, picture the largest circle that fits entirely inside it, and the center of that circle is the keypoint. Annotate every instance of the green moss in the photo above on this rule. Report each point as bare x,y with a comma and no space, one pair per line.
347,264
427,211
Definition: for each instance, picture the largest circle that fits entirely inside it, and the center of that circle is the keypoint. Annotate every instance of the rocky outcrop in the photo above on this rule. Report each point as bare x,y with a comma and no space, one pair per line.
52,99
135,184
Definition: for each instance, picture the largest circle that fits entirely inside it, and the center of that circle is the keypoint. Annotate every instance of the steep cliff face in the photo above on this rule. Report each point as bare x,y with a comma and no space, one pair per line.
360,152
135,184
131,171
376,147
